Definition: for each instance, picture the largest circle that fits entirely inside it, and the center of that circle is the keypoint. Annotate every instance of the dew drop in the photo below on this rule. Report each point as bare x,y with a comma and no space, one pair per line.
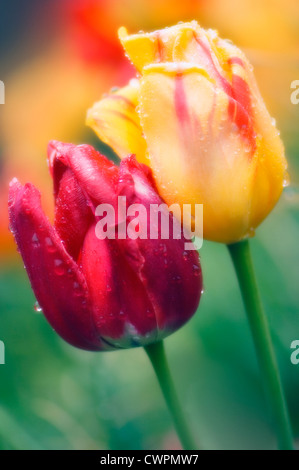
77,290
149,314
247,147
234,128
58,267
273,122
37,307
196,270
163,249
49,245
286,180
35,241
250,233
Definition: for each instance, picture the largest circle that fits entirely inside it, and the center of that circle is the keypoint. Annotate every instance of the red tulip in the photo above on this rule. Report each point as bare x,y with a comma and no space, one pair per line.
101,294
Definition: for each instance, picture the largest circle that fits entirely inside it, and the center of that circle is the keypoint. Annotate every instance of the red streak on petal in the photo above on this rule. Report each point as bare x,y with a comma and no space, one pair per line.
180,100
235,60
241,92
189,124
160,48
217,75
122,98
239,107
240,111
124,116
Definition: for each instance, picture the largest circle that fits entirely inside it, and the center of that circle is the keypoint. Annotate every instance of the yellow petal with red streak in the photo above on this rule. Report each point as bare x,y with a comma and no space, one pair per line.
116,122
196,153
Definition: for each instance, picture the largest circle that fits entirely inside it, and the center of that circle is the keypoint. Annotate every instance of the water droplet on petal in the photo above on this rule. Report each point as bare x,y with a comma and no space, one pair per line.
59,267
149,314
196,270
37,307
234,127
247,147
177,279
250,233
286,180
49,245
35,241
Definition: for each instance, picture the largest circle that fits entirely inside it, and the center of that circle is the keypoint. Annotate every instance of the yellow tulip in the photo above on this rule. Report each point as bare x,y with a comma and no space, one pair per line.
196,117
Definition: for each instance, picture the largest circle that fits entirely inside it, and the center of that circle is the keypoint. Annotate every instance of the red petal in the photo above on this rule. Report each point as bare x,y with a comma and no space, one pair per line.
171,276
59,286
122,310
96,175
73,214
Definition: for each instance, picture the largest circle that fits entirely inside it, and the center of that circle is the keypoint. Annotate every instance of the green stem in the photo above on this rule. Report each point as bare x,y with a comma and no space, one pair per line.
157,356
241,257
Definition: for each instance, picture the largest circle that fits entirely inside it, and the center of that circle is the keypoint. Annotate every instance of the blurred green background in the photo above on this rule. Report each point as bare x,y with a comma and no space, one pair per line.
53,396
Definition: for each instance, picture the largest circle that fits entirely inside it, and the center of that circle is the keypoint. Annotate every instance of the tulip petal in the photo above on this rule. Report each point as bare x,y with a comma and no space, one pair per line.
179,270
59,286
269,155
149,48
122,311
223,62
73,213
95,174
271,168
209,141
197,154
116,122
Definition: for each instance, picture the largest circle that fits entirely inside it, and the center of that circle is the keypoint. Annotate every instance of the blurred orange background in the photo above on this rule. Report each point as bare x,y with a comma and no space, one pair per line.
59,57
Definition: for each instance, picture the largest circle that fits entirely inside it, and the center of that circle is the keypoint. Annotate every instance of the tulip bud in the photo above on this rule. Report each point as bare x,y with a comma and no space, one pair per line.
203,127
102,293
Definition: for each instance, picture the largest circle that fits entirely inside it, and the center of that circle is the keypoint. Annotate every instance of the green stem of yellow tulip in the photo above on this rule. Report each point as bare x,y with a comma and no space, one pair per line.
157,356
241,257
